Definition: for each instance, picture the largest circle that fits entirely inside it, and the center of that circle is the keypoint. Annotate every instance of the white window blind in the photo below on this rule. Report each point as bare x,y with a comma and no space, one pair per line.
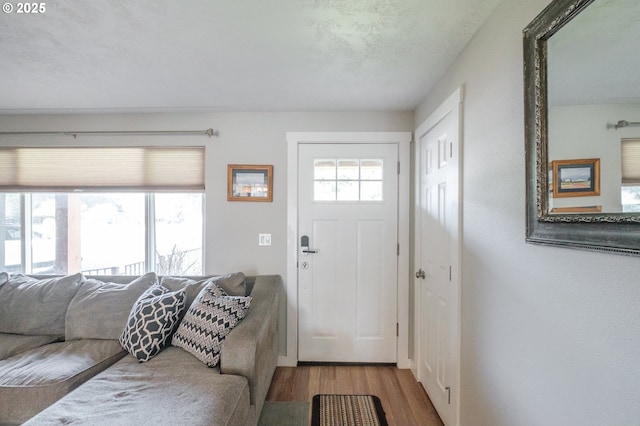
631,161
102,169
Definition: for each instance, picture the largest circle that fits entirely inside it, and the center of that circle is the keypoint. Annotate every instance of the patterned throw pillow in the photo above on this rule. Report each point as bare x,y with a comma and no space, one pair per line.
152,320
208,321
211,290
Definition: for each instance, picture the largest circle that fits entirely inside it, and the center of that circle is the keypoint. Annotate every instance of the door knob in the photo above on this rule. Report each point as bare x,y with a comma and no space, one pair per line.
304,245
420,274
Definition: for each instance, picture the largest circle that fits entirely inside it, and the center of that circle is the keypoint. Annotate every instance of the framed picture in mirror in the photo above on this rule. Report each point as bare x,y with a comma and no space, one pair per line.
579,209
576,178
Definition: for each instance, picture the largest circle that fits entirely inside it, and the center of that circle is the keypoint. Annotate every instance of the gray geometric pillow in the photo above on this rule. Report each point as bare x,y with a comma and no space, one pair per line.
192,287
208,321
152,320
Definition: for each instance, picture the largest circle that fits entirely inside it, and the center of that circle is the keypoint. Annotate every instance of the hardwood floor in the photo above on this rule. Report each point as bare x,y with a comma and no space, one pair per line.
403,399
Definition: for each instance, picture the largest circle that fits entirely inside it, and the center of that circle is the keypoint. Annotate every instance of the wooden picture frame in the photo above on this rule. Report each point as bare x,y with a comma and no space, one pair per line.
576,178
583,209
247,182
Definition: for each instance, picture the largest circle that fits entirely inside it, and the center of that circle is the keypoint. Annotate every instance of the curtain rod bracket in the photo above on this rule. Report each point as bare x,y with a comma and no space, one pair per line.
623,123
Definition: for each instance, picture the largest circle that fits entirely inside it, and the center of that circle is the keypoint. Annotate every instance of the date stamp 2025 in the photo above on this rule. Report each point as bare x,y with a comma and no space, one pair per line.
24,8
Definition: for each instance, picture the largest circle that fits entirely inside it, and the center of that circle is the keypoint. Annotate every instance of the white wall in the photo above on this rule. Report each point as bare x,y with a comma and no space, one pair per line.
550,336
232,228
580,131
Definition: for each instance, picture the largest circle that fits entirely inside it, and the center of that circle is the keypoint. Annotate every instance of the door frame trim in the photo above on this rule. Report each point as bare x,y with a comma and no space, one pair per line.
294,139
452,105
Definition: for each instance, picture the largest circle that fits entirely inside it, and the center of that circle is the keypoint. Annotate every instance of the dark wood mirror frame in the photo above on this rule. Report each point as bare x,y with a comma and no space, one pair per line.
610,232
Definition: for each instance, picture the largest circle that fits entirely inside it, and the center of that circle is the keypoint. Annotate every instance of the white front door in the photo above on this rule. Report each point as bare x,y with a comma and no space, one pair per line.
437,254
348,244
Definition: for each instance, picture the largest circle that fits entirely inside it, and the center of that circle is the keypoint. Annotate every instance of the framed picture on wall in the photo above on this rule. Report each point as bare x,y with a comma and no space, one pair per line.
576,178
249,182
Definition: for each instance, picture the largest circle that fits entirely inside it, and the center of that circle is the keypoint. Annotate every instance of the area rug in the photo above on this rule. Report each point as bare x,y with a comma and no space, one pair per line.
347,410
277,413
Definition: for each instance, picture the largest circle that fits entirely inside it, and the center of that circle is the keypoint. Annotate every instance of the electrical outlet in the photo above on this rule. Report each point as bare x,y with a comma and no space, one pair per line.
264,239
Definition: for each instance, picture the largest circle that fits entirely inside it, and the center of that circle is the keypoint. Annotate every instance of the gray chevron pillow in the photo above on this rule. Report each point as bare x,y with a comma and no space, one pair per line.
151,322
208,321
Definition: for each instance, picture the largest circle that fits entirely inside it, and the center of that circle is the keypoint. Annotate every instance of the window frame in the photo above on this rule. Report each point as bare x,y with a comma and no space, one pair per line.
26,229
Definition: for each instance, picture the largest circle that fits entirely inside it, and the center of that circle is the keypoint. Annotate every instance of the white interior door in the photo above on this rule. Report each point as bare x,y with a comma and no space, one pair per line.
348,244
437,258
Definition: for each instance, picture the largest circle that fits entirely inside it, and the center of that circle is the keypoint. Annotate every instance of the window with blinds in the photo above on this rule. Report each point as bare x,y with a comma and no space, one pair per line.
102,169
102,211
631,161
630,190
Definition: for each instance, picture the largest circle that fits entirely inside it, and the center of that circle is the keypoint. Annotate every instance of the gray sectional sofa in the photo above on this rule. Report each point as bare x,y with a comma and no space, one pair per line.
61,361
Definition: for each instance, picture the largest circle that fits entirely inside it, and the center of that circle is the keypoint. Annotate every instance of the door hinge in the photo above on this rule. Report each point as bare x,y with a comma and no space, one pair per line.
449,272
398,167
398,249
397,329
448,389
450,149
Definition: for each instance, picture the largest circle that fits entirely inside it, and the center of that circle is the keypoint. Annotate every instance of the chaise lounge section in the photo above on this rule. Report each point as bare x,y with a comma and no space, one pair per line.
39,372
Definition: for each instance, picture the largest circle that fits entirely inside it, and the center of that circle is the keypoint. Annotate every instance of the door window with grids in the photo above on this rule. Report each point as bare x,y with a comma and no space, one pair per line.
351,179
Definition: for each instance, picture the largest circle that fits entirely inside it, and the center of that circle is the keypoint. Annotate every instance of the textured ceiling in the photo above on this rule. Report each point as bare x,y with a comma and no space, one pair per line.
231,55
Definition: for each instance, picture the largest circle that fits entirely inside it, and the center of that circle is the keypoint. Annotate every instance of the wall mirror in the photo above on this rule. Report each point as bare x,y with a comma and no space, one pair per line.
582,125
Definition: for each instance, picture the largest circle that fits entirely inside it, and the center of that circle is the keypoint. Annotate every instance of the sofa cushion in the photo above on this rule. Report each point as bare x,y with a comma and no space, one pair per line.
12,344
191,286
36,306
174,388
100,309
151,322
208,321
33,380
233,284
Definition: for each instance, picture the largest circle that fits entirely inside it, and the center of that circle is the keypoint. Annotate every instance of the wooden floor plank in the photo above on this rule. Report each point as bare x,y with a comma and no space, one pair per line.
344,382
360,383
314,383
403,399
396,400
418,399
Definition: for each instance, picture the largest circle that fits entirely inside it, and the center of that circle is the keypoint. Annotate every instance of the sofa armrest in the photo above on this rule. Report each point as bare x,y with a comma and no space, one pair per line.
251,349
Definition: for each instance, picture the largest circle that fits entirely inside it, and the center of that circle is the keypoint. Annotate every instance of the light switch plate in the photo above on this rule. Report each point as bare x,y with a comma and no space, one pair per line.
264,239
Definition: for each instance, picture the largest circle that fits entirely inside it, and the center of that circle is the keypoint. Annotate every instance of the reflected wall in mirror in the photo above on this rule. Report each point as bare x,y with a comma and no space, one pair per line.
582,101
593,72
